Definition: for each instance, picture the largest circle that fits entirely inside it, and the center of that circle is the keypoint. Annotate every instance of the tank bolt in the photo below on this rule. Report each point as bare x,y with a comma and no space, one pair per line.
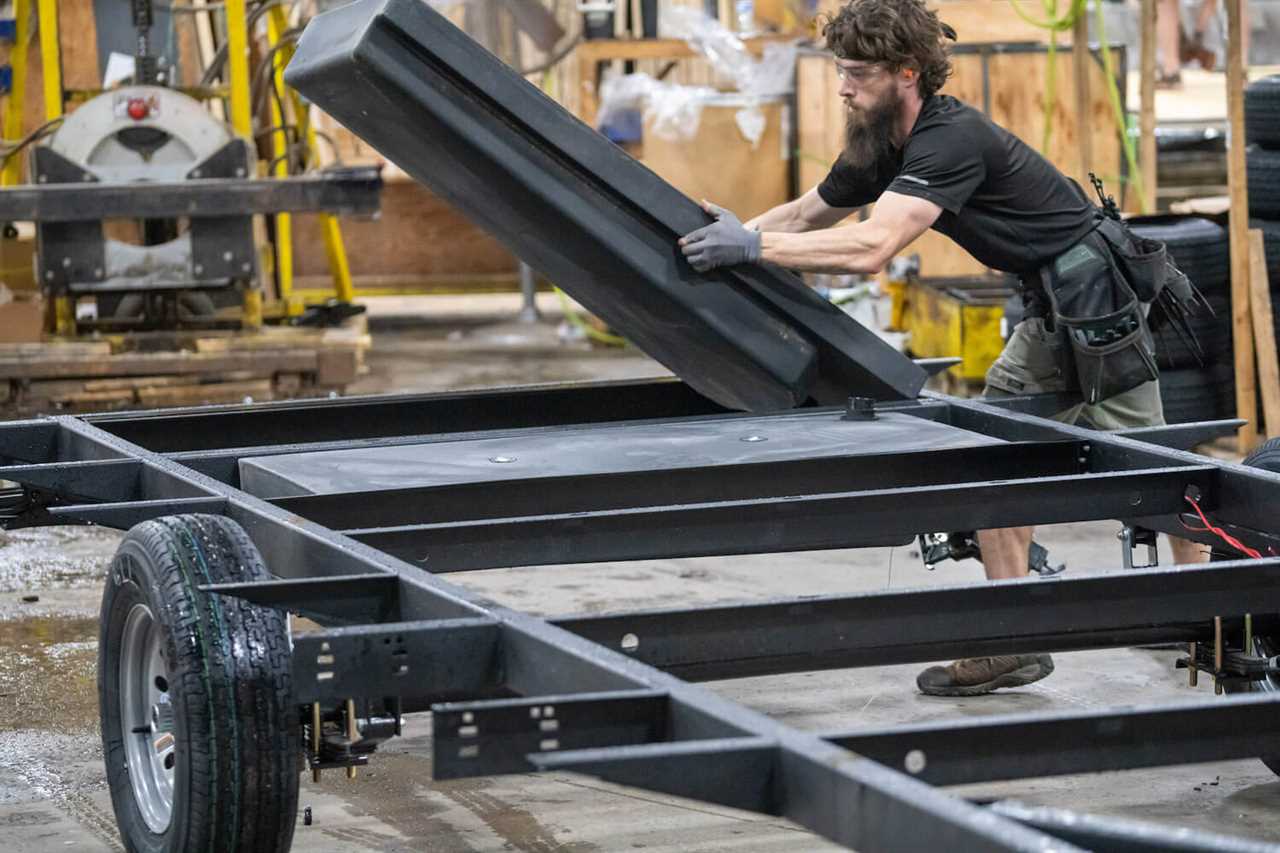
860,409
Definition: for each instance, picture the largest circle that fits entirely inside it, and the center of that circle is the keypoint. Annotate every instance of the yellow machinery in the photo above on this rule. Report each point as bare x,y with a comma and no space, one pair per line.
953,317
288,115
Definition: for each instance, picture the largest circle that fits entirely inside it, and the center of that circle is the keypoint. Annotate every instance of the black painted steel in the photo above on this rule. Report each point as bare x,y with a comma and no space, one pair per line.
787,523
683,486
440,660
514,728
882,628
352,419
352,599
349,192
581,211
1033,745
122,515
1121,835
664,734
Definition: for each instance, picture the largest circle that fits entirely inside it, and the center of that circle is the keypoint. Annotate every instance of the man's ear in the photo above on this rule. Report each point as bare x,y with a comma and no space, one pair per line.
908,77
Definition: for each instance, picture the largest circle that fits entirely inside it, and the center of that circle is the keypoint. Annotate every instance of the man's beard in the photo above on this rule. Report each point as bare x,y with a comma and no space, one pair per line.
868,138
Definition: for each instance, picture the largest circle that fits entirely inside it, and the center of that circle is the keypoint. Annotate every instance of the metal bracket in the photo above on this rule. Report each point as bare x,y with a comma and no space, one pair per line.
1130,538
66,252
436,659
488,738
222,247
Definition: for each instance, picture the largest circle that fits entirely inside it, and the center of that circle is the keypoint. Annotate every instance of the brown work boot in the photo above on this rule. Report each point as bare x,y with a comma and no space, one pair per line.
975,676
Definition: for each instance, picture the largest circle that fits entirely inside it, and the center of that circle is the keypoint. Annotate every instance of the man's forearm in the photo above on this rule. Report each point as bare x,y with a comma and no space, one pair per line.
859,248
786,218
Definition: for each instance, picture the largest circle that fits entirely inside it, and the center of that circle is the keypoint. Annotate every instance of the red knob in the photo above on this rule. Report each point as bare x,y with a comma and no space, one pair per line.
138,109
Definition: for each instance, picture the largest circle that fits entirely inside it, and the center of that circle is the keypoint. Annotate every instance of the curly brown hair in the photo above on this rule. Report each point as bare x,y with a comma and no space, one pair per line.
895,33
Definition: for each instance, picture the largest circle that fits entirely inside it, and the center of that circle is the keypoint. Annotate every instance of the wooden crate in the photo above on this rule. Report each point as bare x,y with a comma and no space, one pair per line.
721,165
973,20
419,242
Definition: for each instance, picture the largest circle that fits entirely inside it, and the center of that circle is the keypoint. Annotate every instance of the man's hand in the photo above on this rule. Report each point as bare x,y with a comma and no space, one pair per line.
723,243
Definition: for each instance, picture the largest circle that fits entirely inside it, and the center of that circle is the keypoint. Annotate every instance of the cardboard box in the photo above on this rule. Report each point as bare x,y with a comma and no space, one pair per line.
21,317
17,254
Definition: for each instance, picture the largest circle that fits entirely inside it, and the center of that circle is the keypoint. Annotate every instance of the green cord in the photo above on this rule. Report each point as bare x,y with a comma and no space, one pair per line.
1067,21
1113,92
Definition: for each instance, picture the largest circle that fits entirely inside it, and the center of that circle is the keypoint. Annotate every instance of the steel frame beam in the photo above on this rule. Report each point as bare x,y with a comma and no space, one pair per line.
909,626
349,191
1026,746
676,728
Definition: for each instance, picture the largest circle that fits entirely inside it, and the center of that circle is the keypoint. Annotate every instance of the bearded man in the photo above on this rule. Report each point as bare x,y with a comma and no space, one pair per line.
928,160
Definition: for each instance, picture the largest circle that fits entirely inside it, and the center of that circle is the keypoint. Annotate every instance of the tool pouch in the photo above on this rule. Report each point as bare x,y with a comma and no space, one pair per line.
1144,263
1156,280
1101,318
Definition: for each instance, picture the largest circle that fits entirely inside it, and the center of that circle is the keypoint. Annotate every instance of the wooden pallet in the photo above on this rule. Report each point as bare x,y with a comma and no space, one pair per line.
179,369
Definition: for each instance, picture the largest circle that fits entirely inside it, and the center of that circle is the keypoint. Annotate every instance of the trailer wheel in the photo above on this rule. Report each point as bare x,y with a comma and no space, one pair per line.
1266,457
199,733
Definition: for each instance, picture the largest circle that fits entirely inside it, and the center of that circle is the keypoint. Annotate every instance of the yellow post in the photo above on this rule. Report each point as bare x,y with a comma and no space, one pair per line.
336,252
64,306
241,119
51,57
64,316
277,23
251,308
238,67
334,248
12,173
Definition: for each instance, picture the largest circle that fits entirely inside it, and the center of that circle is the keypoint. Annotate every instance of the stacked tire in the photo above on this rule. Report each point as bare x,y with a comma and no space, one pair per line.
1262,160
1195,388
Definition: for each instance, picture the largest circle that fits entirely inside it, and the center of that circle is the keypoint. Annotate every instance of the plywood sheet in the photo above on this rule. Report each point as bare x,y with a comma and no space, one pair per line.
418,235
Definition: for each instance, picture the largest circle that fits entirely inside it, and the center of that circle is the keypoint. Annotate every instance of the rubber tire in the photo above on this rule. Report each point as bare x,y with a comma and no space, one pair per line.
1188,395
1262,112
237,729
1263,168
1198,246
1267,457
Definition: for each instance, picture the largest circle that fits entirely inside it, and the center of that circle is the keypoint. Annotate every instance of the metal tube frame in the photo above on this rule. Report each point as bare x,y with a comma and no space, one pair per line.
612,695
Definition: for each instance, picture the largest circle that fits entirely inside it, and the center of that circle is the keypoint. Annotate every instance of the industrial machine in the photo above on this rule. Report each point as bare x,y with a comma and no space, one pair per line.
144,201
127,139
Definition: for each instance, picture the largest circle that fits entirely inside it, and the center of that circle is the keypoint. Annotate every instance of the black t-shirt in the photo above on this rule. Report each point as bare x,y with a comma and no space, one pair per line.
1001,201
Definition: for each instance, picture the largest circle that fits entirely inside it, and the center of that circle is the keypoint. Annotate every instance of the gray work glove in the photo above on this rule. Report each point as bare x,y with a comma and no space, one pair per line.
723,243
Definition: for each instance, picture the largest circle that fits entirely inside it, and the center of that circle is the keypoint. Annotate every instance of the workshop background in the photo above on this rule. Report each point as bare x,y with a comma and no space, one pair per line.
355,279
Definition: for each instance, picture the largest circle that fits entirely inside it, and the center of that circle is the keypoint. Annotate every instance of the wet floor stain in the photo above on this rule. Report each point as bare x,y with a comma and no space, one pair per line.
55,557
417,812
48,674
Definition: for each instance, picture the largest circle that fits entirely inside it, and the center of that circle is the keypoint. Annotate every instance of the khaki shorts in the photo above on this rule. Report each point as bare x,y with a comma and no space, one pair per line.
1029,365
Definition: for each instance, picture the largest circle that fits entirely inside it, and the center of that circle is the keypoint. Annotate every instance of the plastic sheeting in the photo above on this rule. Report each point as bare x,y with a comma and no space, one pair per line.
674,111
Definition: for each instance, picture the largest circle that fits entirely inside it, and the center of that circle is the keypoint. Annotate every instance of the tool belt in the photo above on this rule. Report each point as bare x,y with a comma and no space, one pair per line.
1095,296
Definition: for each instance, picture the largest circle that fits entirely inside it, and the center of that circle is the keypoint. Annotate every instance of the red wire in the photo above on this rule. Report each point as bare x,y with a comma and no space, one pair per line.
1222,534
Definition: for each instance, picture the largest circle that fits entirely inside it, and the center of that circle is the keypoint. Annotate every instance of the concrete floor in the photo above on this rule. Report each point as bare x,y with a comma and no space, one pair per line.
53,795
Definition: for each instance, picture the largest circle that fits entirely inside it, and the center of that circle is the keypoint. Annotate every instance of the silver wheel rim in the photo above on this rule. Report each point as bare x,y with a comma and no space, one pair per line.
146,717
